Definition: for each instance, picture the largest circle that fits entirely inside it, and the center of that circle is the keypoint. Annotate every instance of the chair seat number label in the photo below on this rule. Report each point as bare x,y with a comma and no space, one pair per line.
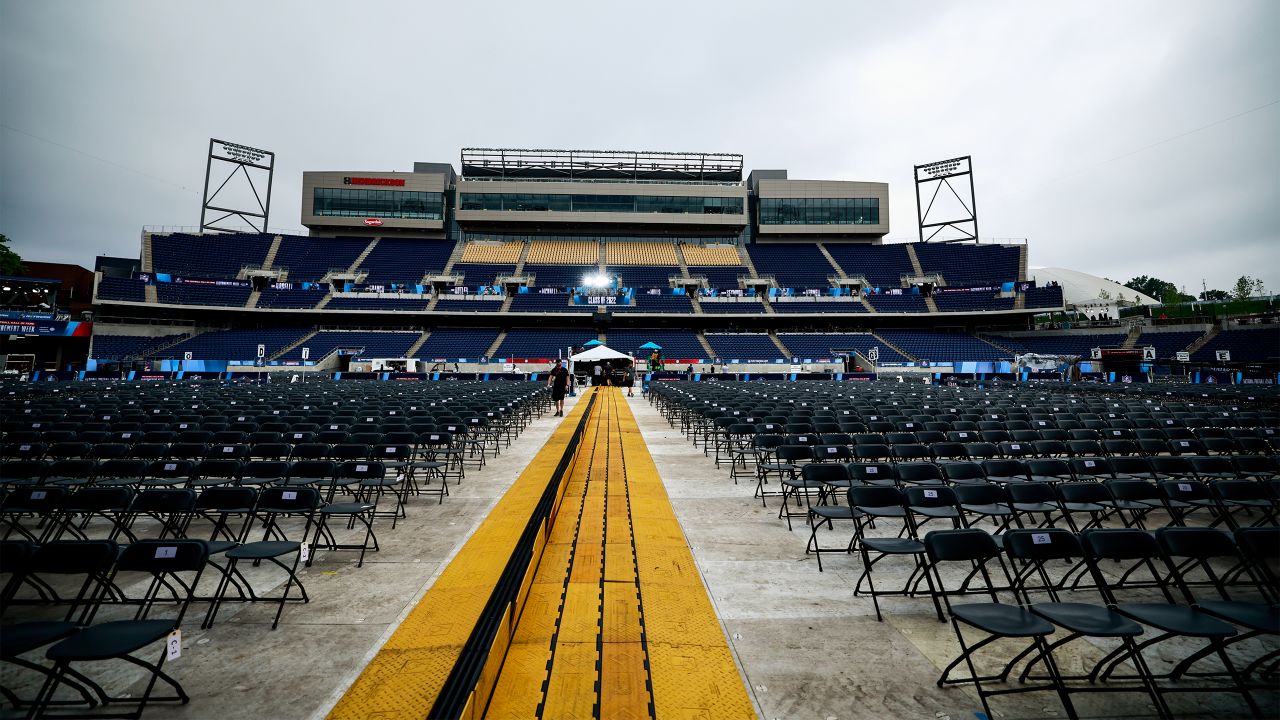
167,552
174,645
1040,538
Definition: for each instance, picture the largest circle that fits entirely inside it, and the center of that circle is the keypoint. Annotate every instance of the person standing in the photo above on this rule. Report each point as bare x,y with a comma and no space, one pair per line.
558,381
629,377
597,374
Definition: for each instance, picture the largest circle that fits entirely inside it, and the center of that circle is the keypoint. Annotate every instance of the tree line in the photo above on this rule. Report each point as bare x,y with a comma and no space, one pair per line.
1169,294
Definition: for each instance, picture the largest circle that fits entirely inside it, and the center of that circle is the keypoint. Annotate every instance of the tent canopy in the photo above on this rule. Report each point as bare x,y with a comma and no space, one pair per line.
650,346
600,352
591,343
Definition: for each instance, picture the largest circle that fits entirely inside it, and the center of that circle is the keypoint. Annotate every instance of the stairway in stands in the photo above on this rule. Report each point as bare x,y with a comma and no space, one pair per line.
915,261
900,351
1204,339
1131,340
786,352
270,259
497,343
301,341
702,339
147,264
417,344
355,265
746,260
455,256
827,254
524,255
684,266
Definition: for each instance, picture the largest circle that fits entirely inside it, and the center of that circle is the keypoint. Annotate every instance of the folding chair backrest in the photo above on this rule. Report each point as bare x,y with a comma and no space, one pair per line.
960,545
1042,544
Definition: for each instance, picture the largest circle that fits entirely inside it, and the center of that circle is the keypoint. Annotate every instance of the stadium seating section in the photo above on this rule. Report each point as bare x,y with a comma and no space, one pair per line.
563,252
539,303
675,344
395,260
881,265
640,253
487,305
1168,343
940,346
818,305
338,302
972,265
541,342
299,299
216,256
1050,344
800,265
559,276
122,347
492,253
971,302
367,344
828,345
233,344
310,259
457,343
711,255
126,289
747,347
176,294
898,303
476,274
664,304
720,276
1246,344
746,305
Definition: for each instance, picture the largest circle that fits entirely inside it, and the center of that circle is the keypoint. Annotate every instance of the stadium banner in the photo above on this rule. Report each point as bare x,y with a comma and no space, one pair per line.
153,278
24,315
46,328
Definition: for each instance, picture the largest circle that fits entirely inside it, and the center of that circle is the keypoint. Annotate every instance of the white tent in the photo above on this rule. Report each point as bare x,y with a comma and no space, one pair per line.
599,352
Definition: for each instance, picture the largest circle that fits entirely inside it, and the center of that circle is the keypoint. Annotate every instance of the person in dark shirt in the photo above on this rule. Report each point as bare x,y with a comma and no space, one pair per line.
559,383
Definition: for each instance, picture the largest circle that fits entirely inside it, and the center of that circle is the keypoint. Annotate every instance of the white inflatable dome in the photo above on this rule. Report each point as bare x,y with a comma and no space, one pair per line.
1080,288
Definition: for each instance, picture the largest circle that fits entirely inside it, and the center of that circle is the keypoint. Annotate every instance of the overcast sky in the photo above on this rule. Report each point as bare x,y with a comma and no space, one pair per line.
1120,138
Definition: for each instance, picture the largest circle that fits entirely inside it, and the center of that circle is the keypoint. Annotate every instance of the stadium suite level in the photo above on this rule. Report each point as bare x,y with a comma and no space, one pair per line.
577,191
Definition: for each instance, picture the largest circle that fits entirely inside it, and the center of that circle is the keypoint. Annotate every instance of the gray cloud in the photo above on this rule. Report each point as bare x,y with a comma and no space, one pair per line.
1057,103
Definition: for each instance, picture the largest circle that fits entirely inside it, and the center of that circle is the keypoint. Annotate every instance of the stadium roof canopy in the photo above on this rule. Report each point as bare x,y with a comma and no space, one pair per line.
1081,287
615,165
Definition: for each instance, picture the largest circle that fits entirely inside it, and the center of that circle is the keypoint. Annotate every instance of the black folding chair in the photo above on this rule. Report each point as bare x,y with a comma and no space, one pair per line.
977,550
164,561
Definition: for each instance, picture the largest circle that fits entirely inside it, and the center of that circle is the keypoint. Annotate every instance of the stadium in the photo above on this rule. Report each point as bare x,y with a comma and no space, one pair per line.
802,398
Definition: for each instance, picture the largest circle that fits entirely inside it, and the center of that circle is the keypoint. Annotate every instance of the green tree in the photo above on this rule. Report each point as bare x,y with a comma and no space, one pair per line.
1215,295
10,262
1151,286
1245,287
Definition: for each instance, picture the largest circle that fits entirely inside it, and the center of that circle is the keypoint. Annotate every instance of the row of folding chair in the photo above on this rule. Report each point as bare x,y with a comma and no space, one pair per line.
1200,602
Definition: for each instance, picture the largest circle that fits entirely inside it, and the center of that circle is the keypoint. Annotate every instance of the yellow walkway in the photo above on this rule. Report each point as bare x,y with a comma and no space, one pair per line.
615,623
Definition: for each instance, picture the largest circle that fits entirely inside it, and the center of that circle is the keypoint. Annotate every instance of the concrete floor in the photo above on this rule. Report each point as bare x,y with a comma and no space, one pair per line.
806,647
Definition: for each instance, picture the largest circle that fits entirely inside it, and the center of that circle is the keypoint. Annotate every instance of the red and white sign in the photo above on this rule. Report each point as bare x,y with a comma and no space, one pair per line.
372,222
391,182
